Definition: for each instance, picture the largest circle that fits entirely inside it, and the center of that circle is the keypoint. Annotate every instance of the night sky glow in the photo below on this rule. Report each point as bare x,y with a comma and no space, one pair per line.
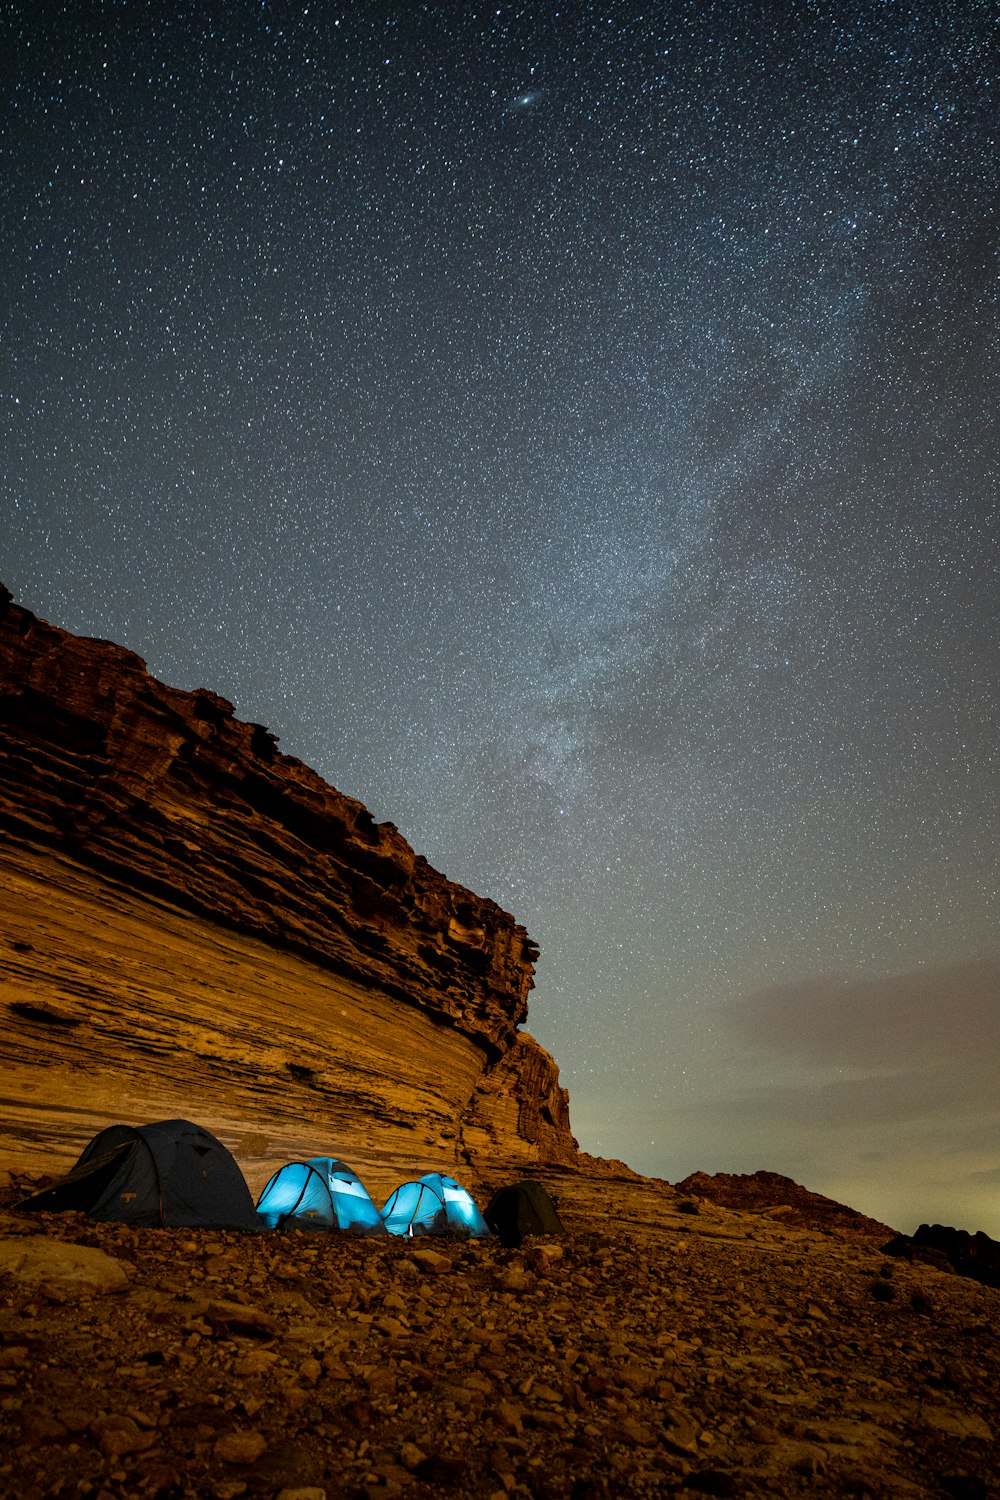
572,430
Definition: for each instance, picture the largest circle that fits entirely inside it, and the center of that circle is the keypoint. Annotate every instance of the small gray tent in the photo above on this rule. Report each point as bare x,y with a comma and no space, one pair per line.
521,1209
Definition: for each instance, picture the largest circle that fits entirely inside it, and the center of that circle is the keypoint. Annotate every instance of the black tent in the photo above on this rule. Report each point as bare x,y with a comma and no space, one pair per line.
522,1208
172,1173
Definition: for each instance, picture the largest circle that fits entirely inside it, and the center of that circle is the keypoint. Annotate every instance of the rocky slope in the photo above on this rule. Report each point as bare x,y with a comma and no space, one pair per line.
651,1352
195,924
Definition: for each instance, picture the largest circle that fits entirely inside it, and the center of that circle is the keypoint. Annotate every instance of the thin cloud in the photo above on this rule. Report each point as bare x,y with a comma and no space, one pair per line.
881,1093
931,1018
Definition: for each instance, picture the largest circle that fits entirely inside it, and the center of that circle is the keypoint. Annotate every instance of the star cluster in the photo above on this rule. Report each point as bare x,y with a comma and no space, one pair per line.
574,432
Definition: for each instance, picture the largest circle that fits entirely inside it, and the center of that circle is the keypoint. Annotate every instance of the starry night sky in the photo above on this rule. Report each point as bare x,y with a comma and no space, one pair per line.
571,429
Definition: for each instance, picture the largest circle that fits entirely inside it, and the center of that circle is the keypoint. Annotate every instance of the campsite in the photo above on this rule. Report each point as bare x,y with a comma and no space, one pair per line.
175,1174
658,1346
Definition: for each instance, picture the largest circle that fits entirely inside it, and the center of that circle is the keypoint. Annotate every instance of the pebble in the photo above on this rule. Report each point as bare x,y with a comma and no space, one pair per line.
410,1455
240,1447
257,1362
432,1262
516,1279
680,1430
118,1435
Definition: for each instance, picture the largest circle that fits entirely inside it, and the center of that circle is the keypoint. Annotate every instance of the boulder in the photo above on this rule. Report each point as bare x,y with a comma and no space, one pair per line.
74,1270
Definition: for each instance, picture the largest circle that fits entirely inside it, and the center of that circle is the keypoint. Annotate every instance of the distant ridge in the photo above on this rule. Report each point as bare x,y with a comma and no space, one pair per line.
779,1197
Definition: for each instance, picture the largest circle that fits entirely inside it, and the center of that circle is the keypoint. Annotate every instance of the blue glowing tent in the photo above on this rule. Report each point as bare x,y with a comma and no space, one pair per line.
434,1204
415,1208
318,1194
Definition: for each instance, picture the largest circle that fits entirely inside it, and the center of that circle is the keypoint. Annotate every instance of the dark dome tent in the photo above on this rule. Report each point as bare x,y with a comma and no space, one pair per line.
434,1204
321,1193
521,1209
171,1173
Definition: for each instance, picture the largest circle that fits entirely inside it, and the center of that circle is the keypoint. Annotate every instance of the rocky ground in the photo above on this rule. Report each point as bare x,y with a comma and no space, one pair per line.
662,1348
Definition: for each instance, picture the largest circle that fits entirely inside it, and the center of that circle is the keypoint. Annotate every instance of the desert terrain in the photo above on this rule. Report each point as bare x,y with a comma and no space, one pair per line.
663,1346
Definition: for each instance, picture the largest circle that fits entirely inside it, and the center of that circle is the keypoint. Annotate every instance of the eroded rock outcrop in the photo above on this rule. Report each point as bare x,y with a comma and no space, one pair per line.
196,923
518,1101
949,1249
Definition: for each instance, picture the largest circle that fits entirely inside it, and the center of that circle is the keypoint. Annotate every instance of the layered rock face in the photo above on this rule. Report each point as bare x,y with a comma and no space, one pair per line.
195,924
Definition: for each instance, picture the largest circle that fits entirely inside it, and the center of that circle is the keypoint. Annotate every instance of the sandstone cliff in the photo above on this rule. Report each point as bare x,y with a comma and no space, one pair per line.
196,924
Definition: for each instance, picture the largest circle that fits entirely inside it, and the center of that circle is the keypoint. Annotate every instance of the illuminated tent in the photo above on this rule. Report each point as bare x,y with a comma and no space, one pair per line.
172,1173
415,1208
320,1194
433,1204
522,1208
